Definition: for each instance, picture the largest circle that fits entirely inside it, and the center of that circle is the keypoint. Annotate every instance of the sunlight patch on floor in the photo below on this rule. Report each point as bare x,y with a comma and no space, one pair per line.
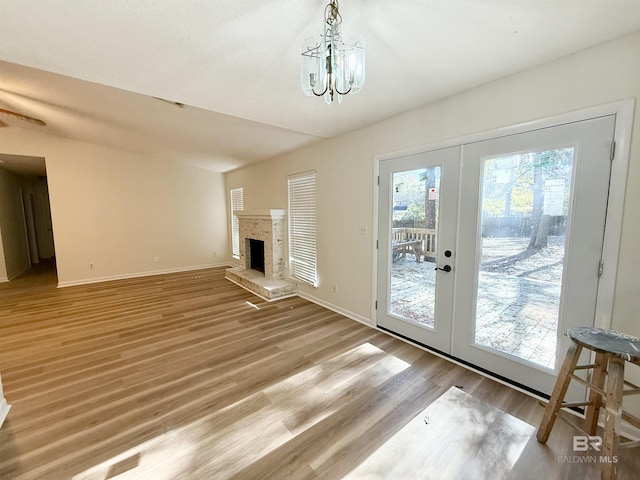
308,397
162,458
223,443
457,436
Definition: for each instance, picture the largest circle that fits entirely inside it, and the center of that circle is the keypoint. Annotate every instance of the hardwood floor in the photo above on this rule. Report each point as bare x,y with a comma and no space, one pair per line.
187,376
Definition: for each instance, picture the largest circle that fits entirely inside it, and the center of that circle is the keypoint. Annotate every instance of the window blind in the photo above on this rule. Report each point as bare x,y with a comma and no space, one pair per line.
302,227
237,203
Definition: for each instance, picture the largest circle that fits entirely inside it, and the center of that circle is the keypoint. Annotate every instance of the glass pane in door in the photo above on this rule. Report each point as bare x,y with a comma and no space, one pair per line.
414,230
525,202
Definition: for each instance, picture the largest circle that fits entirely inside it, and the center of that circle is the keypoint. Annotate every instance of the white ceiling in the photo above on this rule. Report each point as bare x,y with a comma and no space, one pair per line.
235,64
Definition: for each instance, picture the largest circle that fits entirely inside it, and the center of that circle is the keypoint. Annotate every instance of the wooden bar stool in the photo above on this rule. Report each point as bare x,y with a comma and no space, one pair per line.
612,349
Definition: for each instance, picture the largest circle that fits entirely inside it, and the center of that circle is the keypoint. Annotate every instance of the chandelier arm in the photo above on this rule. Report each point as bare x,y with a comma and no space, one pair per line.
343,93
320,94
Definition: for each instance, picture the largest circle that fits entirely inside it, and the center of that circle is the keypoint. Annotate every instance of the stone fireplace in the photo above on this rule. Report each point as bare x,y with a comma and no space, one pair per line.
261,234
267,226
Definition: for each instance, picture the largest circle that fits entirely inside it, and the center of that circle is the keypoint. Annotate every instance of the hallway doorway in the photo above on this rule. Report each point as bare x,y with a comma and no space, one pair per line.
26,231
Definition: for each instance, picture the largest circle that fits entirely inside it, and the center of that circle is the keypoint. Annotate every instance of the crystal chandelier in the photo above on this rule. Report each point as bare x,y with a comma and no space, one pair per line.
332,66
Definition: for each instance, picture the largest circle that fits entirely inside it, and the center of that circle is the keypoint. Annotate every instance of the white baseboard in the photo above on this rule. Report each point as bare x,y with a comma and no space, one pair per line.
353,316
87,281
4,279
4,407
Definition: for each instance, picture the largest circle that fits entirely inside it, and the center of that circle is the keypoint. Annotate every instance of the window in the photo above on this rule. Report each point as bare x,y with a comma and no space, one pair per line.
237,203
302,227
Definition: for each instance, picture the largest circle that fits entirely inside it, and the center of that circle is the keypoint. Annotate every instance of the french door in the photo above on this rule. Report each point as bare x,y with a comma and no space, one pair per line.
517,224
417,299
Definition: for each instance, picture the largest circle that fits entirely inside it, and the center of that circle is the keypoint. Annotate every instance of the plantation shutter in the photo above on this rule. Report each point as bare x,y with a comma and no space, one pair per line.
237,203
302,227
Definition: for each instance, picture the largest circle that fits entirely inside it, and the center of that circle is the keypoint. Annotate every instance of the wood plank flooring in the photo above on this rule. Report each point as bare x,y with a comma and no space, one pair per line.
187,376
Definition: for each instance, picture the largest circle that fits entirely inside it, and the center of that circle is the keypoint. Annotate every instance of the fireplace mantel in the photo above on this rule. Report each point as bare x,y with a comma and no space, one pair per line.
272,213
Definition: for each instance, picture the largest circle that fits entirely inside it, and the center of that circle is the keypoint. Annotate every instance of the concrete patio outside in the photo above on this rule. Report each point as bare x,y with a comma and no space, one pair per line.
518,296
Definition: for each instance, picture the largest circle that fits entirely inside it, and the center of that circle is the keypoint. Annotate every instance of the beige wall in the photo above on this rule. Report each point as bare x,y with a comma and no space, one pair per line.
345,165
118,210
13,239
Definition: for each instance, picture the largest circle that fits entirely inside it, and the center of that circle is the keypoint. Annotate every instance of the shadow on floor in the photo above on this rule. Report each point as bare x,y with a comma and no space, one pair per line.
43,273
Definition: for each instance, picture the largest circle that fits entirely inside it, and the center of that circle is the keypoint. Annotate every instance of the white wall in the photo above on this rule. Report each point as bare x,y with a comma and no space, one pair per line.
13,240
345,166
118,210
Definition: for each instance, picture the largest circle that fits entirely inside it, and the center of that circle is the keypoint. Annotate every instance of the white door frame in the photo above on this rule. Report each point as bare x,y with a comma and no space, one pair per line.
624,111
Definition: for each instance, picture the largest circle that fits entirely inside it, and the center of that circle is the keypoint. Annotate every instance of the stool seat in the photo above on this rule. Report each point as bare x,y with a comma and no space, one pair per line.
607,341
606,387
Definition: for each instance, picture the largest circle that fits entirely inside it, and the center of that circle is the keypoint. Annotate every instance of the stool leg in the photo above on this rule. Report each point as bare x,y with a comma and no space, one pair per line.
559,390
595,399
613,417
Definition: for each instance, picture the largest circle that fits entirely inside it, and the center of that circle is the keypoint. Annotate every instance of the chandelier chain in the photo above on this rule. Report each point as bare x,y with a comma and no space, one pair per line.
332,13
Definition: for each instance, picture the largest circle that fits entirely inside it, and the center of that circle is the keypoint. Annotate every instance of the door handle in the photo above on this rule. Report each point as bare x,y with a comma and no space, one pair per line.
446,268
